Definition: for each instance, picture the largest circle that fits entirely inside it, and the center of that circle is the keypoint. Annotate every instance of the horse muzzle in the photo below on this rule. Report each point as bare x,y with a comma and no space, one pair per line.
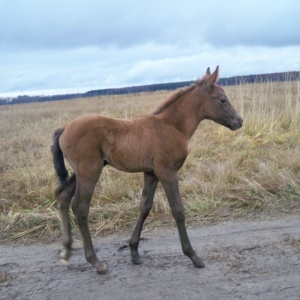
237,124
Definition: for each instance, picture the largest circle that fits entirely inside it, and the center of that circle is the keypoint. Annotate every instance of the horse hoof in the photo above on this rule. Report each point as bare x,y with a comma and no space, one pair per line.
136,260
102,269
64,257
64,261
199,264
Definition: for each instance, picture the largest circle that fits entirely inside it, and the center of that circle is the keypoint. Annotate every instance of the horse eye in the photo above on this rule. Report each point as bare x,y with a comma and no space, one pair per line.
223,101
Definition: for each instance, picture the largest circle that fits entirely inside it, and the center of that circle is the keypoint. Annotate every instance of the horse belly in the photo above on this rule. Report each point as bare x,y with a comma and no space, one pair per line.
131,160
130,168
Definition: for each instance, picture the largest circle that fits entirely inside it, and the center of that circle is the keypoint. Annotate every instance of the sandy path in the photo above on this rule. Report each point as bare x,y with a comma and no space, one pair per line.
248,260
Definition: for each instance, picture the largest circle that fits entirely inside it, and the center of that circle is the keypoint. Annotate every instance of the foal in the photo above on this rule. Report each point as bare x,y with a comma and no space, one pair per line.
155,144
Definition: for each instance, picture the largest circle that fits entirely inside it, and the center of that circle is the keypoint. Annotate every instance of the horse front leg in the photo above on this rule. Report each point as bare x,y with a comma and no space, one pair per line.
170,185
149,188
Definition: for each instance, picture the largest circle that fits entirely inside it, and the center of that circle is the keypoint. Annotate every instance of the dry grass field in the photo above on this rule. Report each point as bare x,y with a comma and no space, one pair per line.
251,173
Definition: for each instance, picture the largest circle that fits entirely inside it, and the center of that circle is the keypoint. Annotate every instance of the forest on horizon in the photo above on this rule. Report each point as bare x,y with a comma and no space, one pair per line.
235,80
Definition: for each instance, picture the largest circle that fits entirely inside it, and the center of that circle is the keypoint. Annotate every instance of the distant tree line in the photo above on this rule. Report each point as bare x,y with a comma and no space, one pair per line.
273,77
284,76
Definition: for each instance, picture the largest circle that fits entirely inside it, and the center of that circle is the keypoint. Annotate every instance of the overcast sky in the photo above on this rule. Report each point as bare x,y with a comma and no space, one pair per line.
64,46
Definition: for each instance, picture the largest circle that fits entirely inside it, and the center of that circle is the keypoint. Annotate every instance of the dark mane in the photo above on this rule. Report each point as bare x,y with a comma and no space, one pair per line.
177,94
173,98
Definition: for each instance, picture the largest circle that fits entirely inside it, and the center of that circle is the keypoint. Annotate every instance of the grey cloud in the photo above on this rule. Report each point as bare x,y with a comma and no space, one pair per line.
256,23
82,45
66,24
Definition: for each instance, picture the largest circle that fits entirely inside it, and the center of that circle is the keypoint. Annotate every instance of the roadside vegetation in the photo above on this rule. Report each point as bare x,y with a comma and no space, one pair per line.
251,173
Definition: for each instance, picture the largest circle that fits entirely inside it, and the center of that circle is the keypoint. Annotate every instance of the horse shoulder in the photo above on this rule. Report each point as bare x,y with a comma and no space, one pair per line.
170,146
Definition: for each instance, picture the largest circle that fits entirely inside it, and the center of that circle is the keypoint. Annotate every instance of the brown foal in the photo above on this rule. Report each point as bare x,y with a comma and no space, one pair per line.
155,144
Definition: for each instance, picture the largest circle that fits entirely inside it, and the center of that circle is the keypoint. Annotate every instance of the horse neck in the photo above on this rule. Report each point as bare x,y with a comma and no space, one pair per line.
185,114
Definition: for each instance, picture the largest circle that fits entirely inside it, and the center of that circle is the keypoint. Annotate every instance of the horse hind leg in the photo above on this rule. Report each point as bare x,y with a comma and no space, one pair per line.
84,190
64,194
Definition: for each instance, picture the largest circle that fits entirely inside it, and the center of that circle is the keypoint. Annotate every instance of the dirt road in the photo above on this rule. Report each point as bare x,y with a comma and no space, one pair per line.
248,260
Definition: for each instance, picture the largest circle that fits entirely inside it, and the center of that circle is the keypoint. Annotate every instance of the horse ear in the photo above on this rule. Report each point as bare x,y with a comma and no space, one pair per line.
208,71
213,78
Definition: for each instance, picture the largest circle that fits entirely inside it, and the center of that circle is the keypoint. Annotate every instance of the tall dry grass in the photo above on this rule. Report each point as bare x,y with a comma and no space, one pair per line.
253,171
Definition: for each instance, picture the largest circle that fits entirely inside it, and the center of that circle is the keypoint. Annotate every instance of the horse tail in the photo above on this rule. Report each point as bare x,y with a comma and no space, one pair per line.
58,157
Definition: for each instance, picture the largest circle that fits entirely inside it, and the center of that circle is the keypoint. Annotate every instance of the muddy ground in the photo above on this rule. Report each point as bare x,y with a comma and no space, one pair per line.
244,260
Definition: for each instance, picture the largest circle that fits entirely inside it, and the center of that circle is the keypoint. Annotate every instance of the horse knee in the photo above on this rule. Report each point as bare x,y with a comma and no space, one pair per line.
145,208
178,215
80,212
81,217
